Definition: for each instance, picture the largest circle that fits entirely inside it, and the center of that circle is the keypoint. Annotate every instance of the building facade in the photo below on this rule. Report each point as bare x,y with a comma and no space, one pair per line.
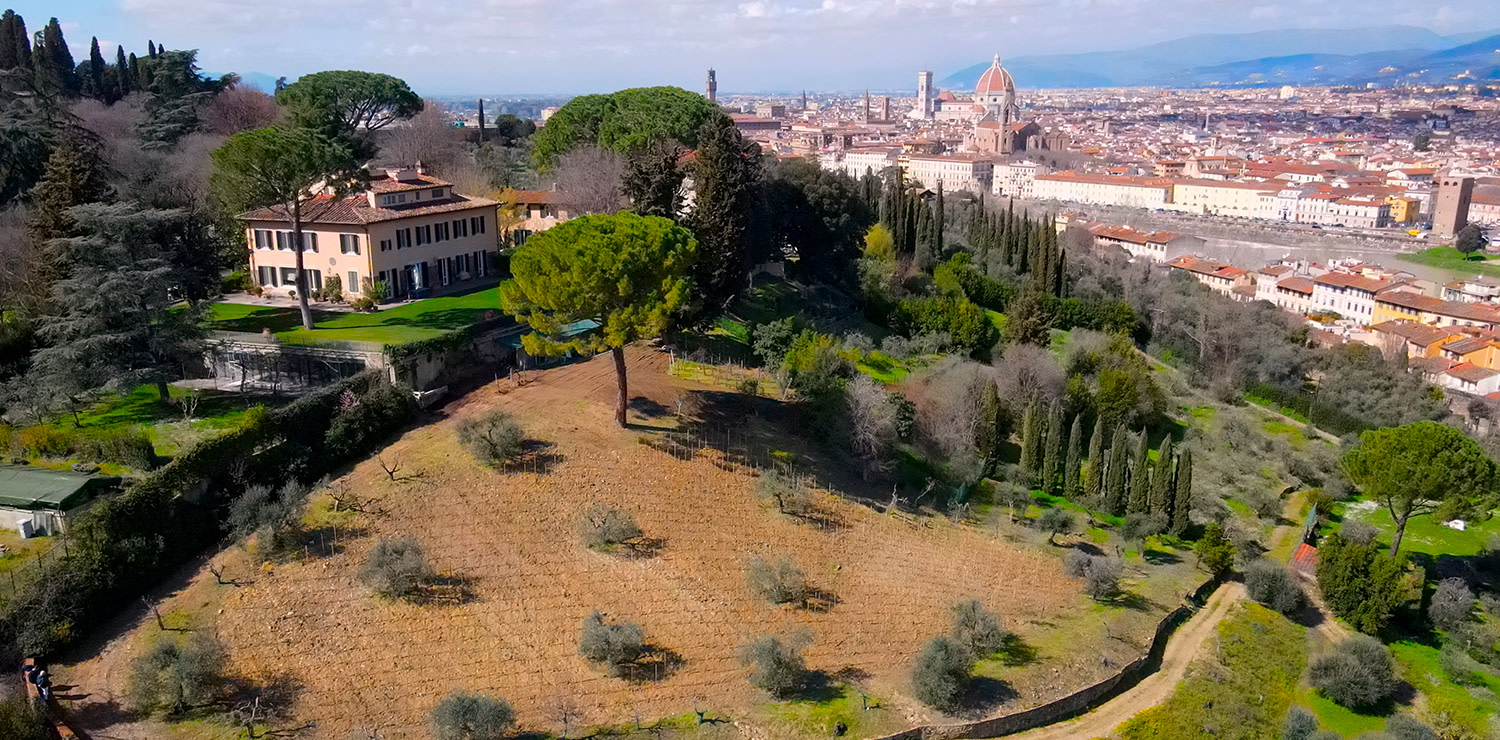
410,231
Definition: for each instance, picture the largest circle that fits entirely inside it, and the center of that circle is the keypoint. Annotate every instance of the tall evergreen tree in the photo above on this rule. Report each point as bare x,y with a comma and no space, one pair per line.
1182,492
117,323
73,176
1072,485
15,44
1031,436
987,435
123,77
1060,280
1093,483
939,223
95,80
1052,450
926,257
135,72
53,61
1140,477
1116,477
1161,480
726,178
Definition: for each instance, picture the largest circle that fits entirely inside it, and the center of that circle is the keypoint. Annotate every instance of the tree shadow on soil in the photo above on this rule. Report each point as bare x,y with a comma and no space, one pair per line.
657,664
1160,557
648,408
1088,548
1128,600
983,697
1016,652
446,589
536,456
818,601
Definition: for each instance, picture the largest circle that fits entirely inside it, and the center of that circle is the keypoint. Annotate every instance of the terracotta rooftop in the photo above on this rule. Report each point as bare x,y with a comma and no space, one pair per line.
1419,334
1470,372
1465,346
1296,285
356,210
1358,282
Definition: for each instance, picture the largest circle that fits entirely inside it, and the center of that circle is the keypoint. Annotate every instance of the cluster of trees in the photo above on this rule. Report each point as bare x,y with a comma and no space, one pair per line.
109,243
1119,478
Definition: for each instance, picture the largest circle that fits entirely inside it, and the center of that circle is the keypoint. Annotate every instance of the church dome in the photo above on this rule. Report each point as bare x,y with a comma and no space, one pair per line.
995,80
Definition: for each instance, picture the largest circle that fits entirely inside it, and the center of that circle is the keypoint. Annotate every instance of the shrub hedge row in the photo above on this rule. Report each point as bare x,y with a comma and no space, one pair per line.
126,544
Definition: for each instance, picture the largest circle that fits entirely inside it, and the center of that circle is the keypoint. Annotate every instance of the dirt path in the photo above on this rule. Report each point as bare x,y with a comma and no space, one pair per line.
1182,648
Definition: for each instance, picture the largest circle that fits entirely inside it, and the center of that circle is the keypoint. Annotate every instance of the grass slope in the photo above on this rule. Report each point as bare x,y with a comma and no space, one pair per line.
1452,259
406,322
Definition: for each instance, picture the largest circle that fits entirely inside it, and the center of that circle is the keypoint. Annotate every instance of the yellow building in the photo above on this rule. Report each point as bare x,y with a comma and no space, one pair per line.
1396,305
1404,210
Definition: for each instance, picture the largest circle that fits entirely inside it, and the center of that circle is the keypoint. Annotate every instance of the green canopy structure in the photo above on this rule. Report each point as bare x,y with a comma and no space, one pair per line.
39,489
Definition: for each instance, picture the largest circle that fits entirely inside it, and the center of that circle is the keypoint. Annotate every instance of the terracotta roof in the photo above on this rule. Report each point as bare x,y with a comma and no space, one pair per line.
1296,285
1428,304
1470,372
1432,365
994,80
1419,334
1465,346
1204,267
1127,234
356,210
1121,180
1358,282
413,182
1275,270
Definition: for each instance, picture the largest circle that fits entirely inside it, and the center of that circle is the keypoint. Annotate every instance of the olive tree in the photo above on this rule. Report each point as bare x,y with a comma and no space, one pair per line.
942,673
177,675
611,645
1451,605
494,438
1270,583
396,568
779,581
1359,673
606,528
981,631
776,664
462,715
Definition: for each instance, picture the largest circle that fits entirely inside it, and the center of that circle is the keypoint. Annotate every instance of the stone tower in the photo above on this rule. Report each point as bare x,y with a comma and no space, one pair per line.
711,89
924,94
1450,208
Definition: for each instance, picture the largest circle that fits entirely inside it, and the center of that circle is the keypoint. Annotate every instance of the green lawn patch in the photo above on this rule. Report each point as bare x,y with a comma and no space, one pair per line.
1428,536
1452,259
1331,716
406,322
818,717
883,368
1262,656
1419,665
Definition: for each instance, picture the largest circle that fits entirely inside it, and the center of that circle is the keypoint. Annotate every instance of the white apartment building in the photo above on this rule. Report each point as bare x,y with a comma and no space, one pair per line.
857,162
1349,296
1015,179
1151,245
955,172
1116,190
1225,198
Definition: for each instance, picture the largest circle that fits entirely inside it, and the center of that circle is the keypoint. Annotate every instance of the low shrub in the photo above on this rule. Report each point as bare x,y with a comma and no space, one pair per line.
177,675
1359,532
1103,578
776,665
1270,583
19,720
779,581
1358,674
779,486
1076,563
966,323
238,281
396,568
494,439
365,419
981,631
1055,521
613,646
1452,604
273,515
942,674
462,715
1300,724
1407,727
605,528
129,447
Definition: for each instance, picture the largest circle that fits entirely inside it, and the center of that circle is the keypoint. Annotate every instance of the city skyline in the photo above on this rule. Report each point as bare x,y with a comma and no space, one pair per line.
582,46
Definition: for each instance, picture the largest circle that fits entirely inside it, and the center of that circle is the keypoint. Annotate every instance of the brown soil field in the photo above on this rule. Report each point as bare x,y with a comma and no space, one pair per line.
511,540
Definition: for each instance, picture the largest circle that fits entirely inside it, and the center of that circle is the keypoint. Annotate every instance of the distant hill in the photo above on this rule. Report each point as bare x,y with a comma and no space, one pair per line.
1478,60
1297,56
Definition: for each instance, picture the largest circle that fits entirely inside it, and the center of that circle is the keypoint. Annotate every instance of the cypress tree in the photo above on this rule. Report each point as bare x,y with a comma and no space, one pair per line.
150,48
1031,434
13,42
939,222
1093,483
1060,280
96,72
1161,481
53,62
1023,245
1052,450
926,257
727,179
135,73
987,436
1140,477
1115,477
1072,465
122,73
1182,492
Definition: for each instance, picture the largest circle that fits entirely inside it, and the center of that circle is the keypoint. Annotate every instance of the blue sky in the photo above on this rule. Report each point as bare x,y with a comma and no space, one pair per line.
575,46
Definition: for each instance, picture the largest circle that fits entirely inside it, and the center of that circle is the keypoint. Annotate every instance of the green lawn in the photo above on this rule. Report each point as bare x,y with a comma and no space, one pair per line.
407,322
1452,259
1331,716
1428,536
817,716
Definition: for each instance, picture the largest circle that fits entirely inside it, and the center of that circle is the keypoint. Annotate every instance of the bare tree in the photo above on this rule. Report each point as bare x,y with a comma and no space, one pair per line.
562,709
872,425
239,109
427,137
590,180
948,412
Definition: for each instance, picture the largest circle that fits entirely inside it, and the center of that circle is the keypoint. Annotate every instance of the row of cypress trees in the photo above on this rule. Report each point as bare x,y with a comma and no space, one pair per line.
1120,477
45,60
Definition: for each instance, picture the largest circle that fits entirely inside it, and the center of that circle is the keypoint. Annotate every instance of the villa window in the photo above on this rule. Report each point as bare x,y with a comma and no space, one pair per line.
348,243
263,239
385,245
437,192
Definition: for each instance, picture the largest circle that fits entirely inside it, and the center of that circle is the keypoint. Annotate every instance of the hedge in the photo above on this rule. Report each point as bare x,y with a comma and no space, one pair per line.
126,544
965,322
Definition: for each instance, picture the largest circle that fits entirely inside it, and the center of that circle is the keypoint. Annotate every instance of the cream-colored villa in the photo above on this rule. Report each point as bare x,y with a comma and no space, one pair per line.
408,230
